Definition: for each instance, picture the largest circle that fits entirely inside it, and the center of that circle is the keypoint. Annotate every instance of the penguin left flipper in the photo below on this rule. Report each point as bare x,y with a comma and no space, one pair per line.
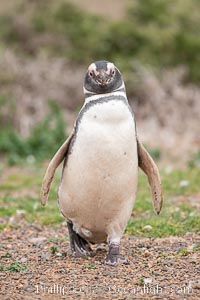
54,163
149,167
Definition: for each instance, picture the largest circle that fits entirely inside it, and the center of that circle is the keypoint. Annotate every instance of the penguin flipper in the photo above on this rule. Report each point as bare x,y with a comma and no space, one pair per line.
54,163
149,167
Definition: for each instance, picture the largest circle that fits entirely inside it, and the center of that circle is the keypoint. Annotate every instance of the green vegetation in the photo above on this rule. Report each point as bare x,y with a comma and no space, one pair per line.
42,142
1,268
195,160
90,266
159,33
54,250
183,252
141,281
7,255
179,214
16,267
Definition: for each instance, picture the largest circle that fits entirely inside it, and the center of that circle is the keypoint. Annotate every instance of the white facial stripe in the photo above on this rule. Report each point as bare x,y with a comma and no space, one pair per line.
93,68
118,70
110,67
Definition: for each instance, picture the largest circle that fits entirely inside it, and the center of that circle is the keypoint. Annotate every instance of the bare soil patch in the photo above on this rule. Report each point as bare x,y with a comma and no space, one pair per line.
165,268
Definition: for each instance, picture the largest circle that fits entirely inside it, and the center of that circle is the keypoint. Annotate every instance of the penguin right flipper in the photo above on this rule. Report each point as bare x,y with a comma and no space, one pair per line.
54,163
149,167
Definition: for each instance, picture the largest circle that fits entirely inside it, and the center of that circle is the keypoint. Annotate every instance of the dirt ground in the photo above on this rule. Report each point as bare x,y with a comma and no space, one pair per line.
159,269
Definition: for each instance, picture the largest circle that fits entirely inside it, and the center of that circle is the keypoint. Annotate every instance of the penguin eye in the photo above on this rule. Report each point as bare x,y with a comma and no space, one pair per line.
91,74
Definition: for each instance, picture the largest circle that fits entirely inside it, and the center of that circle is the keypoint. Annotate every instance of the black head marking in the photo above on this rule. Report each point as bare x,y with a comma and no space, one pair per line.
102,77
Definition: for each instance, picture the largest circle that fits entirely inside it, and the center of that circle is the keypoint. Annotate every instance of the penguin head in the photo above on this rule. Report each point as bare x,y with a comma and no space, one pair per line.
102,77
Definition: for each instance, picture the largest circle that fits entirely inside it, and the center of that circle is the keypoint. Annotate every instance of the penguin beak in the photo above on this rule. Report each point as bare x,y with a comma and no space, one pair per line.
103,78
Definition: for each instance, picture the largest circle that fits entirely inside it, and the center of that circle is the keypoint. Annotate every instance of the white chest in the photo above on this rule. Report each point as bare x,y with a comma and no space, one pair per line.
100,179
105,128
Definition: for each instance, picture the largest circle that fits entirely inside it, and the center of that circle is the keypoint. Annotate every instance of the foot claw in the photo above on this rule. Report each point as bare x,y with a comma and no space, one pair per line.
80,252
115,260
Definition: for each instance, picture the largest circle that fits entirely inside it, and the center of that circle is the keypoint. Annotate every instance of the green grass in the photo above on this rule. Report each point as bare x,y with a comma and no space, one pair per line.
20,199
16,267
90,266
13,267
177,216
6,255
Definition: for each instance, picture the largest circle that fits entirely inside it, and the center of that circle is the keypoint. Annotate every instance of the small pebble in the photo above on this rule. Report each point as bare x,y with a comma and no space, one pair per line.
192,214
148,280
147,227
23,259
168,169
37,240
30,159
184,183
20,212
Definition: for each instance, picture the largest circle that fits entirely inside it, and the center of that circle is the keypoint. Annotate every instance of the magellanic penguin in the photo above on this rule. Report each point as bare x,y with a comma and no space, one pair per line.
100,172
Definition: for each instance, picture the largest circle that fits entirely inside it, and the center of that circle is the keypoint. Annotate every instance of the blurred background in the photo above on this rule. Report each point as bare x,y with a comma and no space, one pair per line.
46,47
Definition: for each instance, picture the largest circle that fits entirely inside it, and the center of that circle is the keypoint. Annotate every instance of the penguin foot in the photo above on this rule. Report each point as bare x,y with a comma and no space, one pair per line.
114,258
79,246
